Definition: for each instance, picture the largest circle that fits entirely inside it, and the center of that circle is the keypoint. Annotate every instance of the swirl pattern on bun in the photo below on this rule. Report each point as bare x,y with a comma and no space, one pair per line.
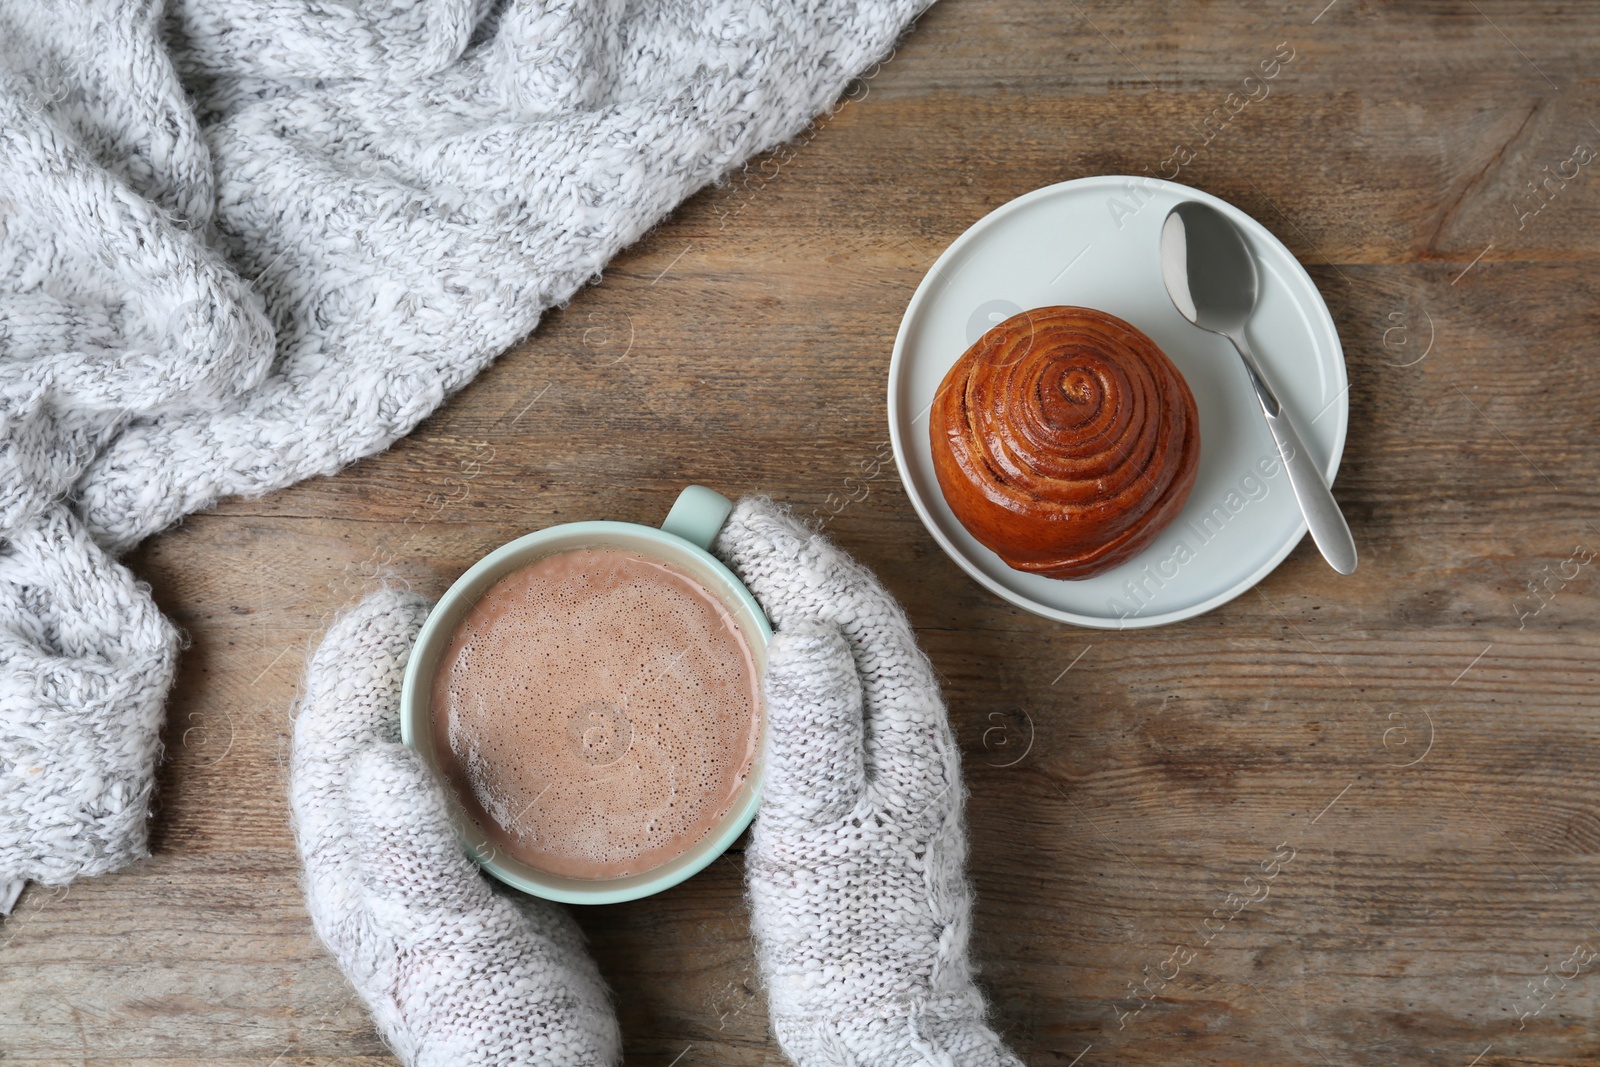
1064,440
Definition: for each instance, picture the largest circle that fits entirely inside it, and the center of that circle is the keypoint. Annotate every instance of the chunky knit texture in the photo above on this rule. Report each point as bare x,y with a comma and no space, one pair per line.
856,866
242,244
86,662
859,898
455,973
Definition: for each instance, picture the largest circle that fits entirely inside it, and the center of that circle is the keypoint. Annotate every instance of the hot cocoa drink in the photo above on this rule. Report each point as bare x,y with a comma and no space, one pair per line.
596,713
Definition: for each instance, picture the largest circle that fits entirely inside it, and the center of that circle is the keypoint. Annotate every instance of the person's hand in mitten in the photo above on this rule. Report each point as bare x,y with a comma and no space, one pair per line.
454,972
856,865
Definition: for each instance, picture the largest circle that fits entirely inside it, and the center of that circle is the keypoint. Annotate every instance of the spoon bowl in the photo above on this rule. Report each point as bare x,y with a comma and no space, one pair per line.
1209,271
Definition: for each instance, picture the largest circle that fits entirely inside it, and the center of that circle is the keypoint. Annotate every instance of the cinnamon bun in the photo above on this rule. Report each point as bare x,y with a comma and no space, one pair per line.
1064,440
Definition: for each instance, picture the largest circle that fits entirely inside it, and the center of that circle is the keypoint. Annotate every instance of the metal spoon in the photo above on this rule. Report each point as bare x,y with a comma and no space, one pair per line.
1211,277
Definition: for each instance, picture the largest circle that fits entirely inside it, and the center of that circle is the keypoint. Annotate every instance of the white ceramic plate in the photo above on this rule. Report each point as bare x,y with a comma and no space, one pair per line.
1094,242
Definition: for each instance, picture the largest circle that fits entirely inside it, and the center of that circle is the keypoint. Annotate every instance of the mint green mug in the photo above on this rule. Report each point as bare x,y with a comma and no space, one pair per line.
683,541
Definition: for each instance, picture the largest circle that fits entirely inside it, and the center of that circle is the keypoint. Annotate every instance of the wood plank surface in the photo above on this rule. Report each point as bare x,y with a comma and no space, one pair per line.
1413,751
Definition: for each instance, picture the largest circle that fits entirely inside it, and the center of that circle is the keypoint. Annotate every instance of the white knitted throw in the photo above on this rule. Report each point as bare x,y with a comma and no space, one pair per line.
246,243
856,867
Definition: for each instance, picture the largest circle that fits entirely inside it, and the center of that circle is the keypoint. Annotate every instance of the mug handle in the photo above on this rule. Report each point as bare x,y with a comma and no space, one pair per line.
697,515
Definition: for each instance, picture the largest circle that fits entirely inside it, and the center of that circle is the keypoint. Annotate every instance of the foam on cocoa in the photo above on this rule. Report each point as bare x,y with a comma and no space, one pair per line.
597,713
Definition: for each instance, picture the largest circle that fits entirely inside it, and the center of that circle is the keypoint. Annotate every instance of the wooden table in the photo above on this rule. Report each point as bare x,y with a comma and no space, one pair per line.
1416,744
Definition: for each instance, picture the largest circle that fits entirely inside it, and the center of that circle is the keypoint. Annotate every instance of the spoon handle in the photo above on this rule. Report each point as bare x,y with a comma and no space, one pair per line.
1323,517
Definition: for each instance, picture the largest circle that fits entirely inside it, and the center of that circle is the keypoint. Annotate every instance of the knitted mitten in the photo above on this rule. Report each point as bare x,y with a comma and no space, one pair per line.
455,972
859,898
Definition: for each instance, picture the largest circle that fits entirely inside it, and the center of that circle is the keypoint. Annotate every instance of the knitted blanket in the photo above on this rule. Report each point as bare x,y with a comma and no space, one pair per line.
246,243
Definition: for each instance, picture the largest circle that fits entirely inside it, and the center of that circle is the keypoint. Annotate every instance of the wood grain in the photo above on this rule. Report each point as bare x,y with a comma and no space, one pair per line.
1423,744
